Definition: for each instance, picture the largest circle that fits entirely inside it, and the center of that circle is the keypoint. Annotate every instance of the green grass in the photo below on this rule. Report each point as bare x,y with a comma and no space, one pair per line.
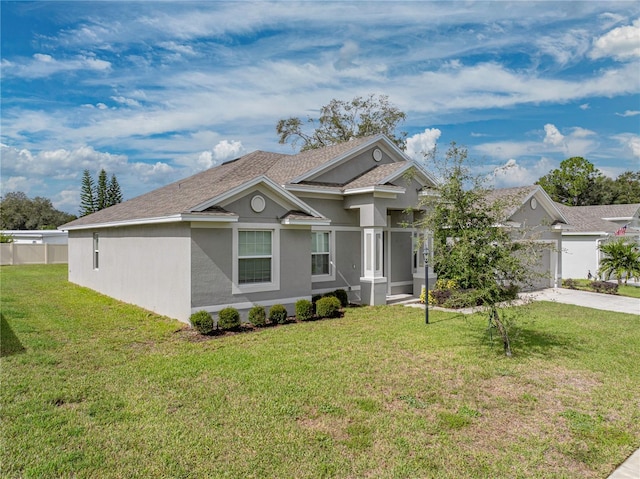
94,388
623,289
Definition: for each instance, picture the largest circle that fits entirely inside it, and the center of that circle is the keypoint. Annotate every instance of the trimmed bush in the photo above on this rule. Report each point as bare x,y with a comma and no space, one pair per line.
304,310
604,287
229,318
278,314
328,307
342,295
569,283
258,316
202,322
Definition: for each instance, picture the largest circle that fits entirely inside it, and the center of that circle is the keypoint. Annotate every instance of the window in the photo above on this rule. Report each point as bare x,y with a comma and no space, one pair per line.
320,253
254,257
96,250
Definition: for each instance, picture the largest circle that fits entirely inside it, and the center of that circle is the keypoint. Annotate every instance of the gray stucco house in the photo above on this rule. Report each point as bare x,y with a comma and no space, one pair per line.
265,228
530,213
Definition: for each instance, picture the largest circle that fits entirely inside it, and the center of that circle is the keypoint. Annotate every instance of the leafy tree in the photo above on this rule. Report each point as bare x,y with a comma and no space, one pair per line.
114,195
19,212
571,184
101,192
340,121
469,247
621,258
88,203
626,188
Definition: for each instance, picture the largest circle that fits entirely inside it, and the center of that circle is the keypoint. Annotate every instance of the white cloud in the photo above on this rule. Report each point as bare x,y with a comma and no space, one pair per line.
553,136
422,144
584,106
622,43
630,142
126,101
514,173
629,113
223,151
16,183
67,200
44,65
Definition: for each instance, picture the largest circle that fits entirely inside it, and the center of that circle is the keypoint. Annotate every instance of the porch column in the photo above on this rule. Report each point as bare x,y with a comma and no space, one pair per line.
373,284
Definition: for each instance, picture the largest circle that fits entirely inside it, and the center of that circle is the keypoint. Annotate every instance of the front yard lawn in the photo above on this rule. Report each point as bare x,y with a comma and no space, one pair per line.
95,388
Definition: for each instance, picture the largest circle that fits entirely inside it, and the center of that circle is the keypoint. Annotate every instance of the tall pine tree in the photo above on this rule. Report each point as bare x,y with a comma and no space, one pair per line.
101,195
114,195
98,197
87,196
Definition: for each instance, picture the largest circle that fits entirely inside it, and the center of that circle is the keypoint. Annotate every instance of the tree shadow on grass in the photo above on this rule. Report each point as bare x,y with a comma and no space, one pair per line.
527,342
9,342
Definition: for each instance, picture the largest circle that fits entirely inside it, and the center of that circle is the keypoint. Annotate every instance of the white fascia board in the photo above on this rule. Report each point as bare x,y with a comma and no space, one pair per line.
585,233
296,222
619,218
377,189
270,184
158,220
312,189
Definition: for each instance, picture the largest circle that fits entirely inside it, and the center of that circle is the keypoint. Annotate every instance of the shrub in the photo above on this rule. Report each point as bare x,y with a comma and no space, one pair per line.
202,322
328,307
604,287
569,283
304,310
342,295
278,314
258,316
439,297
228,318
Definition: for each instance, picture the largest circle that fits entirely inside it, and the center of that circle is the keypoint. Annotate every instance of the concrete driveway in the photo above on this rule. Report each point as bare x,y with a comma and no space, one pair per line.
606,302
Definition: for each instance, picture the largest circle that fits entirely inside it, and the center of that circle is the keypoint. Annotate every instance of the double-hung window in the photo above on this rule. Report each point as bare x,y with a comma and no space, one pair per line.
255,257
320,253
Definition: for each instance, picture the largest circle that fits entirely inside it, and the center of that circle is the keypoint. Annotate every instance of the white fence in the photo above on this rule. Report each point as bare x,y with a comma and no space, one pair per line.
15,253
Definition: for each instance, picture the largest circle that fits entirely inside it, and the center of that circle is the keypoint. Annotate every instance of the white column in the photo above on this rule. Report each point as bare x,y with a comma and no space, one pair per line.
373,283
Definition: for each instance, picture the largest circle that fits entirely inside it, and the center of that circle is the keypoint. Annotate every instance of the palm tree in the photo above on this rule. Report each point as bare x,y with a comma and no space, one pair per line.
621,258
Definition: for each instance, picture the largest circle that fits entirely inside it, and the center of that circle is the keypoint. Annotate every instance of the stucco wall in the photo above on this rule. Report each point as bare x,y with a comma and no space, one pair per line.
212,270
144,265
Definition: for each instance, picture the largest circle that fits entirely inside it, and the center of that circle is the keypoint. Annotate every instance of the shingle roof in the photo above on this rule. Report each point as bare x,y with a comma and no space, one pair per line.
183,196
586,219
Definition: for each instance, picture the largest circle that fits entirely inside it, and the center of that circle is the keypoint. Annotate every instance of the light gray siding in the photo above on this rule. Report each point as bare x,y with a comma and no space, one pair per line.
145,265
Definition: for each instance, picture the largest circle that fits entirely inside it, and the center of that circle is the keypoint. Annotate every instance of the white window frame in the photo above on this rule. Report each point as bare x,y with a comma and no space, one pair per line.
96,250
274,284
317,278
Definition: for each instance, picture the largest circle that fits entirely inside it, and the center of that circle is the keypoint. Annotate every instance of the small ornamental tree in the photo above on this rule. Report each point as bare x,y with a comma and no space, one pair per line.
470,245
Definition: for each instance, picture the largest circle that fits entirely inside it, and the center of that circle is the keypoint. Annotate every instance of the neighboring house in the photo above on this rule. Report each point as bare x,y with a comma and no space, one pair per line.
263,229
590,226
529,211
37,236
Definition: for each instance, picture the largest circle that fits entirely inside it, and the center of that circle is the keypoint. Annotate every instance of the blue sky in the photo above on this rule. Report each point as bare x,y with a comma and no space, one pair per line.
156,91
